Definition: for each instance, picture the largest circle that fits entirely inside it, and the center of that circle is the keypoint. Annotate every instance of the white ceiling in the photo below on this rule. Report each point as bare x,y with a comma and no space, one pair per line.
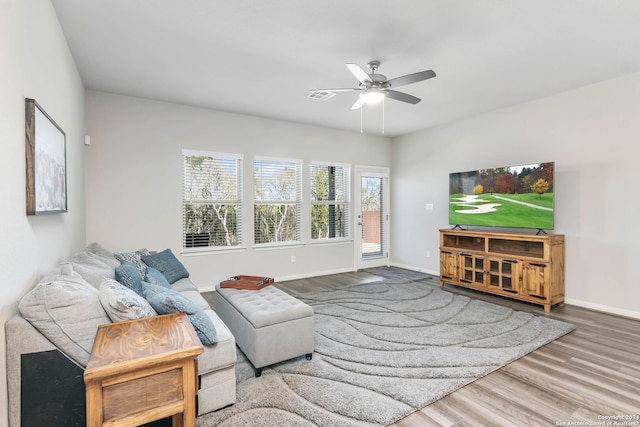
262,57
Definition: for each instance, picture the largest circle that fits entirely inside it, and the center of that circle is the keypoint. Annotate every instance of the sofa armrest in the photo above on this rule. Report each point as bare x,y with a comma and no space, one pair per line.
22,338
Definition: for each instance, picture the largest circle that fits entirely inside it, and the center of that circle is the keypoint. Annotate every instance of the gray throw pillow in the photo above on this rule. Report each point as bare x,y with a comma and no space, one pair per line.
167,301
121,303
66,310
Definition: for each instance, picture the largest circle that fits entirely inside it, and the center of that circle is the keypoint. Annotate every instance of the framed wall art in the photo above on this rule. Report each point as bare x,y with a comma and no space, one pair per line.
46,162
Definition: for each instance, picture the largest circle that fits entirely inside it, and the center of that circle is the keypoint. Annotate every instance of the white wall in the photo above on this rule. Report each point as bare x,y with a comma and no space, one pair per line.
35,62
591,134
134,180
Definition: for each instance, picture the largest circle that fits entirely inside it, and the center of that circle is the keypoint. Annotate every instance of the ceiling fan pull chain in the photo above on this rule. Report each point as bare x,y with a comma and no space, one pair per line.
361,131
383,116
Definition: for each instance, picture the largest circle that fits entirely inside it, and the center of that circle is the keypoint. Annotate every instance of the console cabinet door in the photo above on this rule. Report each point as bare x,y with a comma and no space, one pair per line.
504,275
449,265
534,279
472,269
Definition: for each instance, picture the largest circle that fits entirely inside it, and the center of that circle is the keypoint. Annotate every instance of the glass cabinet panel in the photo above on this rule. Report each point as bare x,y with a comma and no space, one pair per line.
503,274
473,269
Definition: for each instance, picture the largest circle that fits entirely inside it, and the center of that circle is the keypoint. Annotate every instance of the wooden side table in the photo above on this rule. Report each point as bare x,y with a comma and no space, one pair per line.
143,370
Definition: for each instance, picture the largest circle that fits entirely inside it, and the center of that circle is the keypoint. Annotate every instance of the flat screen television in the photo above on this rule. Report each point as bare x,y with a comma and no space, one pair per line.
512,196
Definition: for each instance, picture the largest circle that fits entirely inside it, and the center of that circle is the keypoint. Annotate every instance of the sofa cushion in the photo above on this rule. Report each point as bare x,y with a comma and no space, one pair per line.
223,353
167,263
188,289
66,310
196,298
184,284
166,301
107,255
129,275
121,303
92,267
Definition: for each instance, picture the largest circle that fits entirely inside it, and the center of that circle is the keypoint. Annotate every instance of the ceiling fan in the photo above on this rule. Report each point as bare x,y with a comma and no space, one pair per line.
374,87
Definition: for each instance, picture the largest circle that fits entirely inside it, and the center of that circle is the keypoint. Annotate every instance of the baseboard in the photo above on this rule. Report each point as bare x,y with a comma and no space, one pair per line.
418,269
603,308
315,274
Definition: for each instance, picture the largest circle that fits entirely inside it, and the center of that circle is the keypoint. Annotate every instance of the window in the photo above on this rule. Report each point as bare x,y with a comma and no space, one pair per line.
277,200
329,201
212,203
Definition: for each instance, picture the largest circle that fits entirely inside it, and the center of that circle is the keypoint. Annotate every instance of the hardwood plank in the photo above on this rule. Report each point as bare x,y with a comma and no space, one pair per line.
585,385
422,419
475,411
523,396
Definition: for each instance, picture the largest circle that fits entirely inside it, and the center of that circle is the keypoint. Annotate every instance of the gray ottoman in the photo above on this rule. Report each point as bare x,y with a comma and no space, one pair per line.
269,325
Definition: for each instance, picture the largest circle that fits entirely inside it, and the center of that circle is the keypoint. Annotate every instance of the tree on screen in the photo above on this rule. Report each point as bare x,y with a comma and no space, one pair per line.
540,187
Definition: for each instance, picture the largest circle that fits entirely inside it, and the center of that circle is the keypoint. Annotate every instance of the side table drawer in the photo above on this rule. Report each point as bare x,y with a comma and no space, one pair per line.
127,398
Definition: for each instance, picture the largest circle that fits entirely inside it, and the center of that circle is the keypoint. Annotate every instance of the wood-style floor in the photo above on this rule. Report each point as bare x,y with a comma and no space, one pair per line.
589,374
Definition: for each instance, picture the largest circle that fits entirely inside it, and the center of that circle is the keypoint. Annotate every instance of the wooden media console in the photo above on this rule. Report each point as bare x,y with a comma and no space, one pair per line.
527,267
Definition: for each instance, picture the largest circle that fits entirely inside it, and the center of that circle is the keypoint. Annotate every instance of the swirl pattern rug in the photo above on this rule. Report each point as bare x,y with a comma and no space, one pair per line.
382,351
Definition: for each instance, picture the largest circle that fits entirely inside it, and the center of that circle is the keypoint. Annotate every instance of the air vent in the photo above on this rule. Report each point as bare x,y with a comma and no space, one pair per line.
321,95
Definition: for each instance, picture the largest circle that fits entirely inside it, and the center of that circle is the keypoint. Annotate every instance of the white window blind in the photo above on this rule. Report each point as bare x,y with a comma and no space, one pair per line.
277,200
330,201
212,202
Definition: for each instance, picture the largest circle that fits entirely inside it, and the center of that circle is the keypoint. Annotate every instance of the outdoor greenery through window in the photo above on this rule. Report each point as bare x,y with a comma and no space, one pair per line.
277,200
212,203
329,201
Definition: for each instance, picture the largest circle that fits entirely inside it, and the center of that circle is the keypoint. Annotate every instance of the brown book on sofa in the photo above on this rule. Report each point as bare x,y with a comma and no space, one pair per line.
253,283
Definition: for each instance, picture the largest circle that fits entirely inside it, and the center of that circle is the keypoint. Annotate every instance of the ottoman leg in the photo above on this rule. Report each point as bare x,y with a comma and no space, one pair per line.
309,356
258,372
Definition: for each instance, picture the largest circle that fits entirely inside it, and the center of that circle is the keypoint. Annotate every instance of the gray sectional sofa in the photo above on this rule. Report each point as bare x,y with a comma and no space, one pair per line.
60,317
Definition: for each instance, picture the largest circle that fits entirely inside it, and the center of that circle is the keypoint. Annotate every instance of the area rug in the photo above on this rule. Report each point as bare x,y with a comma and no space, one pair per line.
382,351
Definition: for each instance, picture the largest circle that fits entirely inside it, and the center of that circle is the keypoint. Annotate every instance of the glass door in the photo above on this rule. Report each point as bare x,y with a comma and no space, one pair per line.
372,217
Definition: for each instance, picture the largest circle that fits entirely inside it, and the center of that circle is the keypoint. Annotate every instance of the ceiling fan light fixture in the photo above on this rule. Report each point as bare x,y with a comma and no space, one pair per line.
372,96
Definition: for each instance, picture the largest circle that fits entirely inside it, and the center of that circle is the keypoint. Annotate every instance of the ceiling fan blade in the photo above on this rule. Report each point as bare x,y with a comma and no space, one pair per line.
324,94
411,78
334,90
360,73
401,96
359,103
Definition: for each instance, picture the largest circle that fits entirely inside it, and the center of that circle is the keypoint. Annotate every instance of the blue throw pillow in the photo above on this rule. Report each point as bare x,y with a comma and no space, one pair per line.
129,275
167,263
167,301
154,277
